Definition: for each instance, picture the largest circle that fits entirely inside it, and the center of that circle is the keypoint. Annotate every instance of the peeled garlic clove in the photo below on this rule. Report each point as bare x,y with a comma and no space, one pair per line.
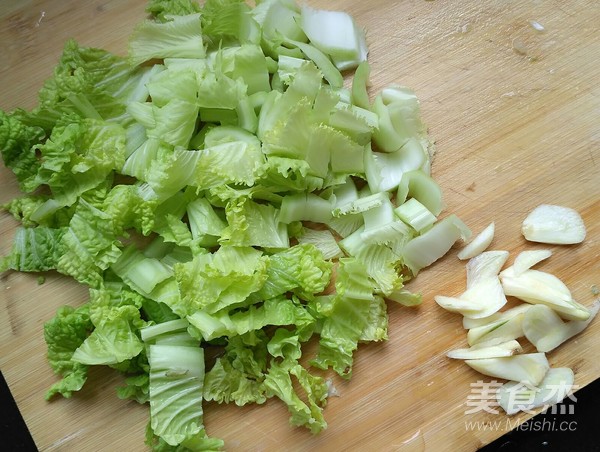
500,350
527,259
556,385
487,294
485,265
478,244
575,327
537,287
554,224
458,305
546,330
540,322
498,316
502,330
539,277
530,368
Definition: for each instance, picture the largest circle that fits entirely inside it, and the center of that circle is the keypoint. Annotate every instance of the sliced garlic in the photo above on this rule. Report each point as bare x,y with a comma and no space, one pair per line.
528,368
500,350
527,259
484,295
556,385
479,301
543,278
539,323
485,265
487,294
538,287
494,318
454,304
554,224
546,330
505,329
479,244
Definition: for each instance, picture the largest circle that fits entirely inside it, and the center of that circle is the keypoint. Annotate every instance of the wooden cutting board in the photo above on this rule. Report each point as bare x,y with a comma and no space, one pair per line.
515,113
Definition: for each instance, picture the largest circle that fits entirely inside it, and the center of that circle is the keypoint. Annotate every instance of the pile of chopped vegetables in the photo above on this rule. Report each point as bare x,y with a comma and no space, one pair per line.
205,189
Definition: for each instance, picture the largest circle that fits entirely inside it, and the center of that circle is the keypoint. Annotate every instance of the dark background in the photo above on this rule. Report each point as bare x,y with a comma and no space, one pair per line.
16,438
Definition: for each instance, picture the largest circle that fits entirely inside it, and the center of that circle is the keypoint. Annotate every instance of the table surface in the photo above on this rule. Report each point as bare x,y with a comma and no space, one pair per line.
515,115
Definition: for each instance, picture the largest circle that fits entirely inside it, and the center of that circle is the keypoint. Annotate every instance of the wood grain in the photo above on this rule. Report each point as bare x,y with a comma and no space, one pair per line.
513,131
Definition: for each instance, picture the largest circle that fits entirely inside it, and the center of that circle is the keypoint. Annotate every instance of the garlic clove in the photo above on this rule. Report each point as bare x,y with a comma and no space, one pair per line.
538,287
479,244
529,368
498,316
556,385
485,265
502,330
459,305
546,330
487,294
527,259
554,224
499,350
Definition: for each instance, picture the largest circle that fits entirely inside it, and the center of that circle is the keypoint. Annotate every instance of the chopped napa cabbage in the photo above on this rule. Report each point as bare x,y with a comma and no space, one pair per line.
306,207
224,279
34,250
180,37
225,22
64,334
221,188
89,245
162,9
114,338
415,214
253,224
274,311
301,269
423,188
336,34
17,141
425,249
323,240
360,82
176,388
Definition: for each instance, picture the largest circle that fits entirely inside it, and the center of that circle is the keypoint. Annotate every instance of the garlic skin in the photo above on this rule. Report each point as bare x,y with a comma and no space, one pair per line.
552,224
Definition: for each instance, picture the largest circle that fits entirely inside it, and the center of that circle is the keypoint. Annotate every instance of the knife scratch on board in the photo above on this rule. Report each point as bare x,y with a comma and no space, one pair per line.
57,444
10,306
